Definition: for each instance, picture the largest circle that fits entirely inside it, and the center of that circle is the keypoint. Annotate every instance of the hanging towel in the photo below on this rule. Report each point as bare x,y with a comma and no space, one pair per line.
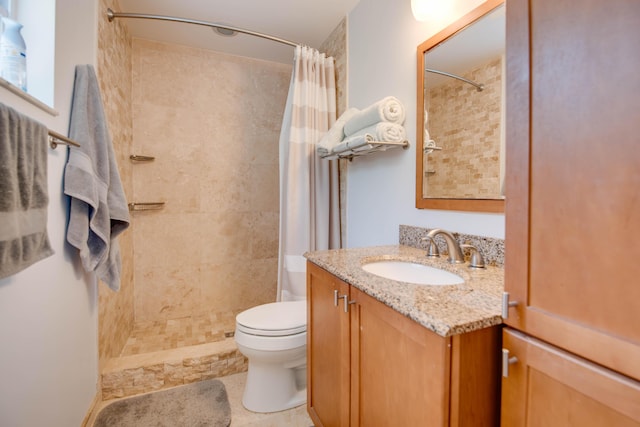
98,210
336,134
23,192
388,109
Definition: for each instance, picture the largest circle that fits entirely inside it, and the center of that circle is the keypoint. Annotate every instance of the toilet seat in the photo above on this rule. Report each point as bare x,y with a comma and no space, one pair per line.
276,319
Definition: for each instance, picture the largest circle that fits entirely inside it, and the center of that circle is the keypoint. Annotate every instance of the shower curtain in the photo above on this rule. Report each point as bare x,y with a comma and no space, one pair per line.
309,199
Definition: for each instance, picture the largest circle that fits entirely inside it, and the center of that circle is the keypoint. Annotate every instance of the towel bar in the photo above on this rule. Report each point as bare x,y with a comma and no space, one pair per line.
430,146
55,138
150,206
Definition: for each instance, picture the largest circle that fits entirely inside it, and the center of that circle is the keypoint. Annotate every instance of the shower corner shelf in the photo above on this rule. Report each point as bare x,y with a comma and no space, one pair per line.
376,146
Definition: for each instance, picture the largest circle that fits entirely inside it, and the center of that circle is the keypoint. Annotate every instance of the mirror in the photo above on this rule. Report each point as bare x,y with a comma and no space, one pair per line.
460,133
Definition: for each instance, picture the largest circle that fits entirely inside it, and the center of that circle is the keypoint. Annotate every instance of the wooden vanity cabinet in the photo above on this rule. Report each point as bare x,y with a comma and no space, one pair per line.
572,211
398,373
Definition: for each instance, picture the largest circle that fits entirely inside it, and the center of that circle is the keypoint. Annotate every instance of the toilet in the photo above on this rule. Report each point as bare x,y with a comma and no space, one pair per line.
274,339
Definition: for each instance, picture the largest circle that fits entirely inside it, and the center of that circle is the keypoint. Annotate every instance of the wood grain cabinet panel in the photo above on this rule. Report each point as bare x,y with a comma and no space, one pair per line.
572,213
548,387
327,350
400,369
573,176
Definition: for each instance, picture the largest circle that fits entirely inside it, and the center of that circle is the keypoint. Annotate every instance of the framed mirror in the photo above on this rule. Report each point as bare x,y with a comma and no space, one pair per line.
460,116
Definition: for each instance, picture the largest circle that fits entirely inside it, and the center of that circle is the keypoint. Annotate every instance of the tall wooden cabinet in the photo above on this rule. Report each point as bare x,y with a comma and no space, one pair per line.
370,366
572,268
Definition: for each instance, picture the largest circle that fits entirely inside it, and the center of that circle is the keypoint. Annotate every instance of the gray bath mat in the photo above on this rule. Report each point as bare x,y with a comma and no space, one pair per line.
200,404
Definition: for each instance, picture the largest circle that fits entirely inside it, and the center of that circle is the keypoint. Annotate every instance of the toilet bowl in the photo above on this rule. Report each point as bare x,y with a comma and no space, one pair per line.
274,339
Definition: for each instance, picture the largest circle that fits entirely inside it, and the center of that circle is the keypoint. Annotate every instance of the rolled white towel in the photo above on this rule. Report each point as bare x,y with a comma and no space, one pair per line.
385,132
336,134
354,142
388,109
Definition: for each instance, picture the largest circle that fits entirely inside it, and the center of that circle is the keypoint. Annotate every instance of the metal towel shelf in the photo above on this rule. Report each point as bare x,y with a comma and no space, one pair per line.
375,147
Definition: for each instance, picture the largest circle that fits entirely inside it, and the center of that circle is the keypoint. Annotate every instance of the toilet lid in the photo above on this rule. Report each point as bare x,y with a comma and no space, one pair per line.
274,319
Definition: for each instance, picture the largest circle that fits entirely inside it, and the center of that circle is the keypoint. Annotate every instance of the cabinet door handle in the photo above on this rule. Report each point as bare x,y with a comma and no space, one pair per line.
506,361
506,304
347,303
335,297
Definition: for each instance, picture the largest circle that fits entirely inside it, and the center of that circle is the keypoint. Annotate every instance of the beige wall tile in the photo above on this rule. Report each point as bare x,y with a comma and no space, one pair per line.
213,122
116,317
466,124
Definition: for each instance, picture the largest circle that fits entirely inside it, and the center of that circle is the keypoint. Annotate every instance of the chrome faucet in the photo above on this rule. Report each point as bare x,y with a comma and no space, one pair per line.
453,247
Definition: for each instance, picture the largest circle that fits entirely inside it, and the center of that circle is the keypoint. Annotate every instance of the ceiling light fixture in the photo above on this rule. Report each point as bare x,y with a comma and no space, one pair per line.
431,10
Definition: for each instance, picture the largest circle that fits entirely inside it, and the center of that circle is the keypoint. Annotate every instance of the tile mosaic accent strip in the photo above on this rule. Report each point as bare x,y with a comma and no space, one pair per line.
157,375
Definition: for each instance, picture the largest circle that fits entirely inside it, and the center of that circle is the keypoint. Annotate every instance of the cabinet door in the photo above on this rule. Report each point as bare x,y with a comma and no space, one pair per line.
573,176
475,378
547,387
327,349
399,369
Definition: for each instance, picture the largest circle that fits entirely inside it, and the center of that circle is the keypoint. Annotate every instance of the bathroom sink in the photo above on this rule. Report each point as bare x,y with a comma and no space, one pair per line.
411,272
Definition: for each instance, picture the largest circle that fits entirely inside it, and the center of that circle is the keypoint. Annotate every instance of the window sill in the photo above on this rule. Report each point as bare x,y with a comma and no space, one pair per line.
29,98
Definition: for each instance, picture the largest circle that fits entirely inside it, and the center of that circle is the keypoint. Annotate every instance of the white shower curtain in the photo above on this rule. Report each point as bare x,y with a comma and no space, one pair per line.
309,199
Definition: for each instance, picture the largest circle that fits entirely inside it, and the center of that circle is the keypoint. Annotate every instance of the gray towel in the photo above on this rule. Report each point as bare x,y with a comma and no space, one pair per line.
98,211
23,192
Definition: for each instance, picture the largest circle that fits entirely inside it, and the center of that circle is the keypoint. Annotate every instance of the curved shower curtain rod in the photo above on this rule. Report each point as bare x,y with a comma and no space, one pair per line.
112,15
478,86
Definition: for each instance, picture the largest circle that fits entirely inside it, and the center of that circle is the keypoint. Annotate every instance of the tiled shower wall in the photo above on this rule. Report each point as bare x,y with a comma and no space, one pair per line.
212,121
116,316
466,124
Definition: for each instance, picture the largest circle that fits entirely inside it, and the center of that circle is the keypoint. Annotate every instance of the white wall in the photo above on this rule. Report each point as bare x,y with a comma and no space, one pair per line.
48,312
382,42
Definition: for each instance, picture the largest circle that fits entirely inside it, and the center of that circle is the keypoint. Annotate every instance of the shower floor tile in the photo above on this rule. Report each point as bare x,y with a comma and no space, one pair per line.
150,336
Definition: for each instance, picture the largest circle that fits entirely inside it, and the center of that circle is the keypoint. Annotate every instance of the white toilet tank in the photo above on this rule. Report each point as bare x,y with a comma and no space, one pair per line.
295,275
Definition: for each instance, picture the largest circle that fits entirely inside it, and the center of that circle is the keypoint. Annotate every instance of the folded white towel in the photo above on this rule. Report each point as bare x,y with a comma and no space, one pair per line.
388,109
336,133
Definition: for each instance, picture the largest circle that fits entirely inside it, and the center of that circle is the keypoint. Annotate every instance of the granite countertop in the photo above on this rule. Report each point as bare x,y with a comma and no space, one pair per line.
445,309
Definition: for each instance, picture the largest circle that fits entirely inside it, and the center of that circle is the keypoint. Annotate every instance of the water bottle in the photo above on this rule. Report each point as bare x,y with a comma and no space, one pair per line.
13,54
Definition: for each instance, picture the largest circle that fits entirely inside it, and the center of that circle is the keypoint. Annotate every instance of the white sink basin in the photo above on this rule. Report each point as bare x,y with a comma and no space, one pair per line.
412,273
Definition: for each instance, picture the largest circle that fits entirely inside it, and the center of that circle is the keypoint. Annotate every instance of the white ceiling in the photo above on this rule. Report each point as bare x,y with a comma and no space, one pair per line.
307,22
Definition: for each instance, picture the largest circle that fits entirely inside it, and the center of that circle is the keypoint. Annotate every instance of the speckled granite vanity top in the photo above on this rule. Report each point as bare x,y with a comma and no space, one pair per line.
445,309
